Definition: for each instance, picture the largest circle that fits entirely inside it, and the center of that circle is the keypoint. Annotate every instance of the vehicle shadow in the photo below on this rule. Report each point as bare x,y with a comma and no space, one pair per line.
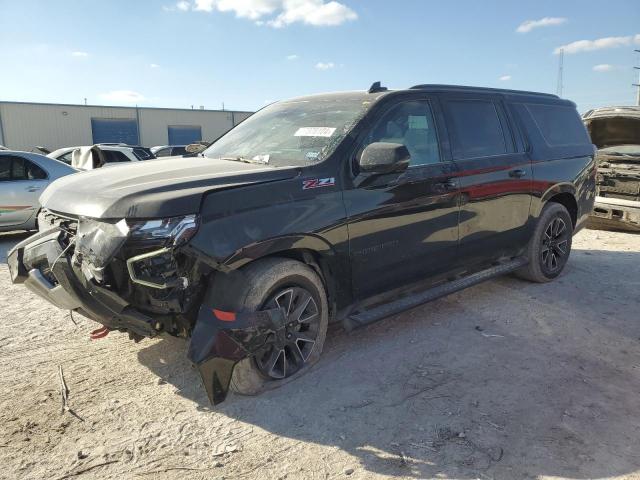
8,240
505,380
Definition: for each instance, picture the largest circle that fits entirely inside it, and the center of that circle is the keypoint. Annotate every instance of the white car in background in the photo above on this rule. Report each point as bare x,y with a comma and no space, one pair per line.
95,156
23,177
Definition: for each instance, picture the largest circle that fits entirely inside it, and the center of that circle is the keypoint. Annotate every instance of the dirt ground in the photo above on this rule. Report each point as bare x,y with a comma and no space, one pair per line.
506,380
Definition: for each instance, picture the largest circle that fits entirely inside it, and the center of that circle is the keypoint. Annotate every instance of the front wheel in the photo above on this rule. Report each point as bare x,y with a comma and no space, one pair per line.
550,246
298,290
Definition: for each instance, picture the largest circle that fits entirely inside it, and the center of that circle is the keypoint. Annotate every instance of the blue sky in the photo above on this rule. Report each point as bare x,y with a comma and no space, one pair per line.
246,53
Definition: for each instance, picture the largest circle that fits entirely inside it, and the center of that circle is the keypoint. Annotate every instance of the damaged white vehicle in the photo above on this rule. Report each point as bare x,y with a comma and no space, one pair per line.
616,133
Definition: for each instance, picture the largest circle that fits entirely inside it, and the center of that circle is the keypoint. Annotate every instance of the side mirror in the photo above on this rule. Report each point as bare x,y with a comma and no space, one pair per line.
383,157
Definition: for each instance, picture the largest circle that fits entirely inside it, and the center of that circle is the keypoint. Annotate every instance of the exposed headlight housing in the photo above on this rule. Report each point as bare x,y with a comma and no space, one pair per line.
173,231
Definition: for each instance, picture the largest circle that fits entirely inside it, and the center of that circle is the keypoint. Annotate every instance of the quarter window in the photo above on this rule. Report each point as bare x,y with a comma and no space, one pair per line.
475,128
411,124
559,125
34,172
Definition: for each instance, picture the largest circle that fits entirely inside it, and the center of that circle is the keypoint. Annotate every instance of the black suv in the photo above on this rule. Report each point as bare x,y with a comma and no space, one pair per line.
337,207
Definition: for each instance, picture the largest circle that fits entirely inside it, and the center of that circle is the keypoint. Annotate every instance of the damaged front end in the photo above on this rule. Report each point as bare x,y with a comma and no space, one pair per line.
139,277
617,204
616,133
117,273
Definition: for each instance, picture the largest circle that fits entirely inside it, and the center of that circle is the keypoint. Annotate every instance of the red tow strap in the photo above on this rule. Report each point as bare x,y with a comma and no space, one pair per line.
99,333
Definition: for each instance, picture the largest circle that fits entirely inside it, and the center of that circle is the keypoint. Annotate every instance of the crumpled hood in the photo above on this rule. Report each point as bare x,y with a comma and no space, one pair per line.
153,188
613,130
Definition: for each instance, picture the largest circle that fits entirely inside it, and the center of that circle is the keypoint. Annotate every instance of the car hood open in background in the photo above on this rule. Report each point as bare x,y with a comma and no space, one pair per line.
158,188
614,126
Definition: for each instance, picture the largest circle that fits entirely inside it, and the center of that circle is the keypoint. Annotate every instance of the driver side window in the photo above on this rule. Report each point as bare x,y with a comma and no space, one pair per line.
411,124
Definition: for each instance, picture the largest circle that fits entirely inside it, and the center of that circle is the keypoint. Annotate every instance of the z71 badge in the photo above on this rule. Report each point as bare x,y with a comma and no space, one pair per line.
318,182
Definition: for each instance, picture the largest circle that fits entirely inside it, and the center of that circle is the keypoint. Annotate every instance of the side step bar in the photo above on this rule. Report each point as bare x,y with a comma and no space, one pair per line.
405,303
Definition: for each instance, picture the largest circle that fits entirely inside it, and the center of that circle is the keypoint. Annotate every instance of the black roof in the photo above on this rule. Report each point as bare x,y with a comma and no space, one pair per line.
464,88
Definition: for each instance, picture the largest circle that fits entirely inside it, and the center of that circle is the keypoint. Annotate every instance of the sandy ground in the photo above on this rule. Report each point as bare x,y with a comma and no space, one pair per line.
505,380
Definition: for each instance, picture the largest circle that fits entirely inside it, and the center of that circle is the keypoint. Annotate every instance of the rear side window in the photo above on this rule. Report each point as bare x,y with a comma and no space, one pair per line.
5,168
475,128
163,152
143,153
559,125
66,158
113,156
17,168
19,171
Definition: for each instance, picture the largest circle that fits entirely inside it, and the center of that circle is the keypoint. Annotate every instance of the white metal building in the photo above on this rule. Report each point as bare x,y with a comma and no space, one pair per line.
24,125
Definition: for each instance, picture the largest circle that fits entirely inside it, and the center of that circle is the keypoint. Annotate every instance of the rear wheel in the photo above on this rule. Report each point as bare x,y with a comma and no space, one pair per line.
550,246
299,292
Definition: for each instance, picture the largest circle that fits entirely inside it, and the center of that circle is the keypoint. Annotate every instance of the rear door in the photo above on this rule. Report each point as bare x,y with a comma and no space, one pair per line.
404,227
21,183
495,177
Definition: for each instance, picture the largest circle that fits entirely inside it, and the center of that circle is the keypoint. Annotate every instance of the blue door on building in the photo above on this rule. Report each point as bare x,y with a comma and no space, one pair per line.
115,130
184,134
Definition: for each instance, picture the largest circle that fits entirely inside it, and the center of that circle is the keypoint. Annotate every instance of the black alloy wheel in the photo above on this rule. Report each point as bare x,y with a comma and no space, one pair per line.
554,251
291,346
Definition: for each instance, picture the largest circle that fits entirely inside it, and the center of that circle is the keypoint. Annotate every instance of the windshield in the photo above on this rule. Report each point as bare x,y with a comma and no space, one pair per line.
293,133
633,150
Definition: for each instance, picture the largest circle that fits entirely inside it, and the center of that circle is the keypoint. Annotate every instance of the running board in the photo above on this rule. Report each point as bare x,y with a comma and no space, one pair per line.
405,303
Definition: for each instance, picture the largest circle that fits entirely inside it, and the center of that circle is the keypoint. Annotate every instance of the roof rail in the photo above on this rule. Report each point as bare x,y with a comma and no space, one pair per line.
426,86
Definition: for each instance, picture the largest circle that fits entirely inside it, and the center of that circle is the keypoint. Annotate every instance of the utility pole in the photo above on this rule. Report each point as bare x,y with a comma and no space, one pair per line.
637,85
560,72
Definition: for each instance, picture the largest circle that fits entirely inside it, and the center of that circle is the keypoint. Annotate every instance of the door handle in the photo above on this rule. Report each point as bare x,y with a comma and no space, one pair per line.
33,188
451,184
518,173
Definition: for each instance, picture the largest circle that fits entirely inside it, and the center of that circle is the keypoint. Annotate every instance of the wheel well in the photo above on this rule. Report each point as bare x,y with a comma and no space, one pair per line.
319,265
569,202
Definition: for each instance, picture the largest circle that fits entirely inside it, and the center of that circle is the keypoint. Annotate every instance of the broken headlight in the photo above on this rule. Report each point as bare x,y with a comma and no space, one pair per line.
171,231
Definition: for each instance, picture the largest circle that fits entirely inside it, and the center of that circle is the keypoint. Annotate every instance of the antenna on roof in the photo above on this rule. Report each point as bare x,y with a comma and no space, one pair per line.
377,87
637,84
560,84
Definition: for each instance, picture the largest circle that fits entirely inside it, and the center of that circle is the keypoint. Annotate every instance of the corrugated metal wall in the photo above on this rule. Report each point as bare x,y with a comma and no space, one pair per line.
25,125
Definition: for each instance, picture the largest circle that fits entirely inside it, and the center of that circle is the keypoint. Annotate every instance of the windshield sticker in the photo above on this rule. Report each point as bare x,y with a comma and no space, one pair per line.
261,158
314,132
312,155
318,182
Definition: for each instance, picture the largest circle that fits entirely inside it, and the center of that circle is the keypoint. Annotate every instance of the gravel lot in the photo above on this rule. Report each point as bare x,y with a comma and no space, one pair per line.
505,380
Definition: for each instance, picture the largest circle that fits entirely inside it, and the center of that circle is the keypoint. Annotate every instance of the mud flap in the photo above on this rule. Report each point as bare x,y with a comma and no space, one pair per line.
221,339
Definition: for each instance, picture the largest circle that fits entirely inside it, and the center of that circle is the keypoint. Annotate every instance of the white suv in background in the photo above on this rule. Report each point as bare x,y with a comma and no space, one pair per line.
95,156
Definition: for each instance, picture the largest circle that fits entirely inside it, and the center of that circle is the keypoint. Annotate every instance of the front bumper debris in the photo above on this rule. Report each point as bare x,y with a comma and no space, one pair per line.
615,214
221,339
42,264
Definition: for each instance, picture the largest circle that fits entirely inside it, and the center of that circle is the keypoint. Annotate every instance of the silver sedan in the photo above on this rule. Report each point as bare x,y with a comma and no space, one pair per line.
23,177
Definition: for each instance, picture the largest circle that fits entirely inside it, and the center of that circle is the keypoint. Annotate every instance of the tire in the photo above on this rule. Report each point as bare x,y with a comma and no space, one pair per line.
263,285
550,246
